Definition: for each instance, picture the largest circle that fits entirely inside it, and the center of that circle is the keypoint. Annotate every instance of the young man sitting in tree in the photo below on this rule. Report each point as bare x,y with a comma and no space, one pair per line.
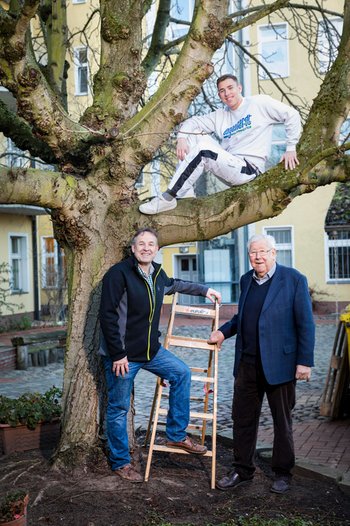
244,128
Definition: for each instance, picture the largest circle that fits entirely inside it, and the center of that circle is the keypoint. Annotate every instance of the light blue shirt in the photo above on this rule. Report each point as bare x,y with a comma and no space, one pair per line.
268,275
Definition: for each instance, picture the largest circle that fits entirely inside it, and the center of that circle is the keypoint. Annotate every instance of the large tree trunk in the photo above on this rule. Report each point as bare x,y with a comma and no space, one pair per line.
92,248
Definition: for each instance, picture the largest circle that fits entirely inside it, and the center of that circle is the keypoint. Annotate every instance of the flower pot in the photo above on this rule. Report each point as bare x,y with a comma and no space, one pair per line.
22,520
20,438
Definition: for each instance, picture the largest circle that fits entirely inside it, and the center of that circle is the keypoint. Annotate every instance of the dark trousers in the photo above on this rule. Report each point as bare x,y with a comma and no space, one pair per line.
249,389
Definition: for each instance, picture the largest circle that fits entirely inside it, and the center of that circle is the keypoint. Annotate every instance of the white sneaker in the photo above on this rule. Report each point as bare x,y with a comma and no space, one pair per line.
156,205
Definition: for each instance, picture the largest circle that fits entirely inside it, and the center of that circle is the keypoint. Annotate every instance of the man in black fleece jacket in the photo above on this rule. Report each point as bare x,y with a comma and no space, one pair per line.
132,297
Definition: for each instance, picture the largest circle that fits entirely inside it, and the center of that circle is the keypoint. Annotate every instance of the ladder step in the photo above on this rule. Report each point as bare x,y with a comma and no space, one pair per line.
193,398
167,449
206,379
192,343
195,311
198,370
197,427
193,414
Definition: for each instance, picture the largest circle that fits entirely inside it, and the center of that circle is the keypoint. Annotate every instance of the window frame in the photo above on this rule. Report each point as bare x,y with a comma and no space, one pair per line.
23,265
179,30
276,75
78,66
323,41
15,157
44,256
55,255
283,246
335,243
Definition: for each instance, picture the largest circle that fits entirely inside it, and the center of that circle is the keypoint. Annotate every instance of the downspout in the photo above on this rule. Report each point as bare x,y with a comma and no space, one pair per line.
244,77
35,268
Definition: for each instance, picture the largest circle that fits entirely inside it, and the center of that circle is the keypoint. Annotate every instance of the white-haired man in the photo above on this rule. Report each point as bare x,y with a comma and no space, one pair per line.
274,348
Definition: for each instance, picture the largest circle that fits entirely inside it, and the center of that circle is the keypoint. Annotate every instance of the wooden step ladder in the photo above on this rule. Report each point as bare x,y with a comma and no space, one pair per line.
208,376
338,377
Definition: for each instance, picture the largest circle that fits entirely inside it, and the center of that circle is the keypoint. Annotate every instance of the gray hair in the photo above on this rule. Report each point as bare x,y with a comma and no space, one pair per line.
142,231
270,240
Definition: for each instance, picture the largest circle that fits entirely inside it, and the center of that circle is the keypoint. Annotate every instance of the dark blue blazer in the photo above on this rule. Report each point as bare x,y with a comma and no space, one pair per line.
286,325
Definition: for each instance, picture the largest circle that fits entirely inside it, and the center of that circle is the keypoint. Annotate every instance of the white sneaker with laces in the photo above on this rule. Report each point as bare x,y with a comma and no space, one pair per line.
156,205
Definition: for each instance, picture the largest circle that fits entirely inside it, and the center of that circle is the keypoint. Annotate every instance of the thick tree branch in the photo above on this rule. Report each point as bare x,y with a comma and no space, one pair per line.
36,101
265,197
34,187
18,130
169,105
120,81
57,43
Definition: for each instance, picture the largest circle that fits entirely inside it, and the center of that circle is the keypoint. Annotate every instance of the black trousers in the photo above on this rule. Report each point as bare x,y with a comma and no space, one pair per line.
249,389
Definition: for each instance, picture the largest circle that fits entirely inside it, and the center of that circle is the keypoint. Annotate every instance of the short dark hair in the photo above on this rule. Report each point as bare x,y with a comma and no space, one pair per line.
225,77
142,231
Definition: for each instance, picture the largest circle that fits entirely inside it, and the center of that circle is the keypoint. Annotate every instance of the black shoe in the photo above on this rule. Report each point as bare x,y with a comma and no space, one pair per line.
281,485
231,480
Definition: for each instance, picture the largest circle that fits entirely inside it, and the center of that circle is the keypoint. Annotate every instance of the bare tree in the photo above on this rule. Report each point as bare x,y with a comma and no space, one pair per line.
98,159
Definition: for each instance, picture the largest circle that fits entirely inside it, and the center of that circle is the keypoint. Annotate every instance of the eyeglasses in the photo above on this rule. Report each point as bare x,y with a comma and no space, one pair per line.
262,253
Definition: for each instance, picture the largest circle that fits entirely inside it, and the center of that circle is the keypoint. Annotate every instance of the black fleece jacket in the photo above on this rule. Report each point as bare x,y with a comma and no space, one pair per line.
129,316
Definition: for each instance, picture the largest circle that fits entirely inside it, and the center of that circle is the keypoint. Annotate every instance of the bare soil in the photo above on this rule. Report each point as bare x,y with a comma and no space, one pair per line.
177,493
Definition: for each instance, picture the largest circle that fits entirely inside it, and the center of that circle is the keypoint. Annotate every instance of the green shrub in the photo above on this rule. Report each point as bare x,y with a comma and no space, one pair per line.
31,408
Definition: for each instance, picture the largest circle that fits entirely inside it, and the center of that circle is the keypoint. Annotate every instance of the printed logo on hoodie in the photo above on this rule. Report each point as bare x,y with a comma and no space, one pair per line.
243,124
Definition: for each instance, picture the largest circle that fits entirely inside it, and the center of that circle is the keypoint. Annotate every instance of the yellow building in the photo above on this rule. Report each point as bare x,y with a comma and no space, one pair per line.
299,230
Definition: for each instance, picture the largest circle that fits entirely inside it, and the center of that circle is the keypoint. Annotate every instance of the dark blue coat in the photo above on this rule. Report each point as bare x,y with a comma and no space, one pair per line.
286,325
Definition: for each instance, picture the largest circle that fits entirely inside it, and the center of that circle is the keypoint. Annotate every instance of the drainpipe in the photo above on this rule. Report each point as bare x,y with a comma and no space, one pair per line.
35,268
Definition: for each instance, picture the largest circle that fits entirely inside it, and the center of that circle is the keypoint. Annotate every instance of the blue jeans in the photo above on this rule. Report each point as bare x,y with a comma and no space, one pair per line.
166,365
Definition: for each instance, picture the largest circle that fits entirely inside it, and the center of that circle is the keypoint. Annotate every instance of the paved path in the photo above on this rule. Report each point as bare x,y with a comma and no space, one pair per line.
317,439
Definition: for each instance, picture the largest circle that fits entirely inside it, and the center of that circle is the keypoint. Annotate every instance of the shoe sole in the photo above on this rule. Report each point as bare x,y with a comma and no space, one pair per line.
234,486
158,211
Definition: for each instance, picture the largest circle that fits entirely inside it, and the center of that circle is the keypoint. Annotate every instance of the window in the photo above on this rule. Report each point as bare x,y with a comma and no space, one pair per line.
218,271
79,1
284,244
19,263
181,10
53,261
81,70
328,38
273,50
278,145
345,132
338,255
14,156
